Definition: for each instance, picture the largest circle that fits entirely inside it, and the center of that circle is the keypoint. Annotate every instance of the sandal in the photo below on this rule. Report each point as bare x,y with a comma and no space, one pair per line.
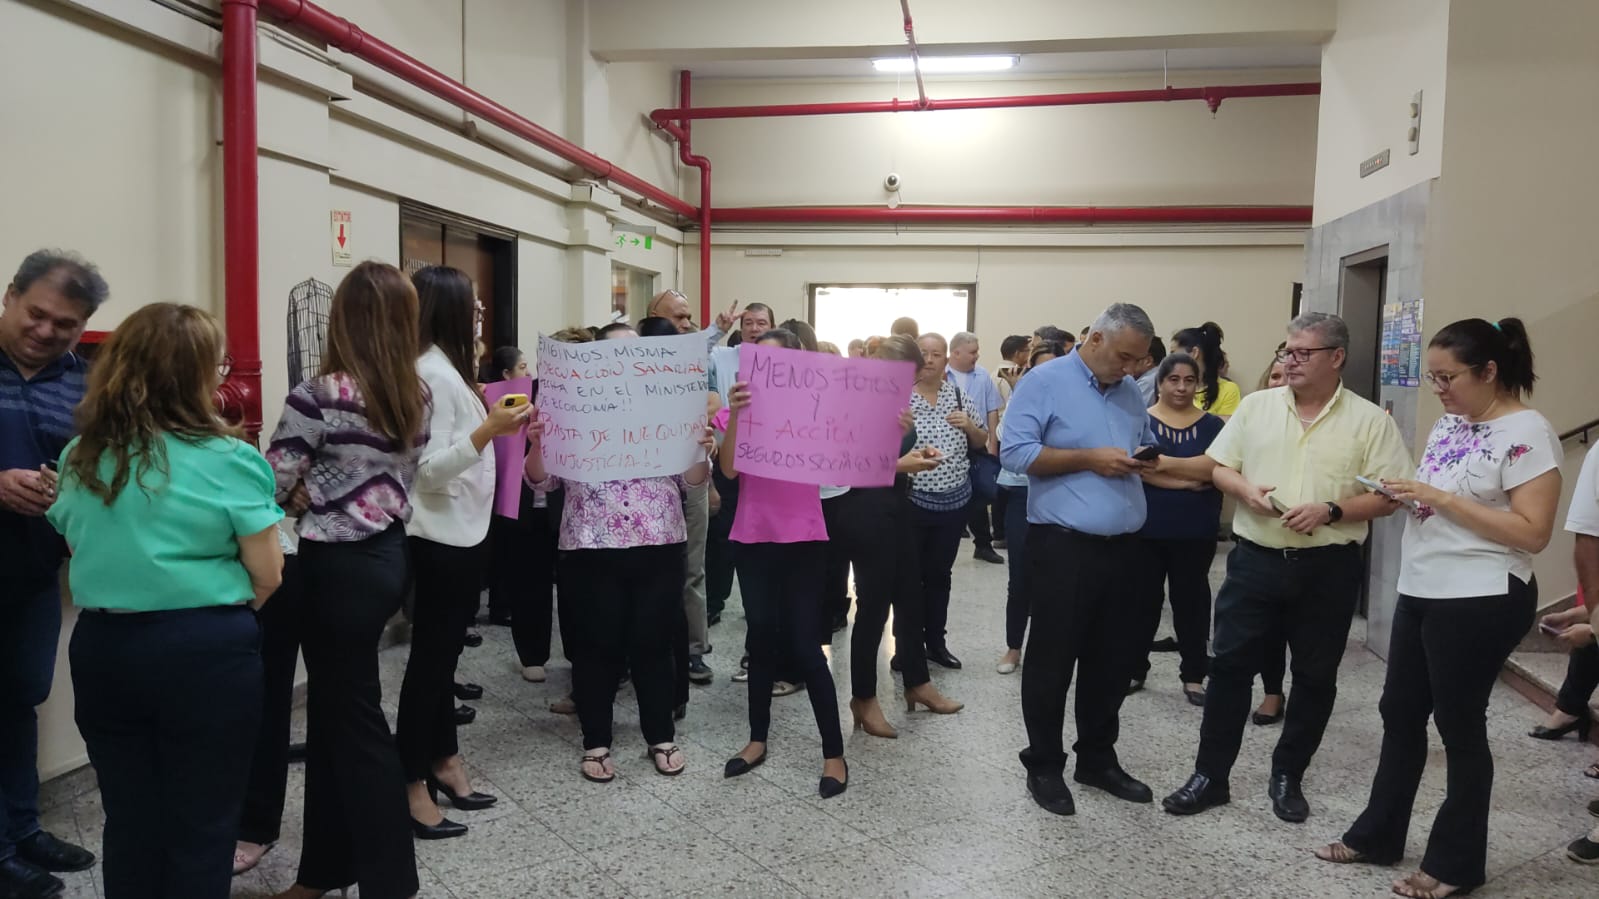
662,757
1591,771
1340,854
1422,885
242,862
602,762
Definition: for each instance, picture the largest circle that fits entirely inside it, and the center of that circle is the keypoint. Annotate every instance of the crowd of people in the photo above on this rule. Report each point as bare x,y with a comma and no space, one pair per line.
1088,459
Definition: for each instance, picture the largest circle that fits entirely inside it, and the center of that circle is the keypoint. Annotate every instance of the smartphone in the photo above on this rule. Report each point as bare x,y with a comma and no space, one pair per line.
1376,487
1147,454
1549,629
513,400
1282,509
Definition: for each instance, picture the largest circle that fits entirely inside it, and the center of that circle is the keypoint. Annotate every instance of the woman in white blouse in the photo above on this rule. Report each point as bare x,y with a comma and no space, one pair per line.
1483,502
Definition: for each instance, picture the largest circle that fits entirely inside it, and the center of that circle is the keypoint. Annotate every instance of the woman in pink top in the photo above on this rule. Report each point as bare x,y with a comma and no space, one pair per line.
782,555
621,552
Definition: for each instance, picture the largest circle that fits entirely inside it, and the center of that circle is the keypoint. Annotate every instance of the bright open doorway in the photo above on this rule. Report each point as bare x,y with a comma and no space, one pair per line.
843,312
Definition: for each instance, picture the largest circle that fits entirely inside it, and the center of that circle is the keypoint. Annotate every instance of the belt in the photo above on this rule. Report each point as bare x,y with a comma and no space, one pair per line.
1084,535
242,604
1293,554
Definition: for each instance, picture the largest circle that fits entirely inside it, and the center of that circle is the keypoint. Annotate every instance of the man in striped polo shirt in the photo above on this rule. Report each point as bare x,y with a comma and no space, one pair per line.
47,305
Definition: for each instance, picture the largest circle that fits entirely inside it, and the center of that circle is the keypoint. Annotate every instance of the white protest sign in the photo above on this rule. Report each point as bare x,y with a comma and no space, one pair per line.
622,408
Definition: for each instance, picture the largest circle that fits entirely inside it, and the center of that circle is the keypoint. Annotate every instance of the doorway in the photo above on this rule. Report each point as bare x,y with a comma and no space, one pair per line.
1362,286
844,312
486,254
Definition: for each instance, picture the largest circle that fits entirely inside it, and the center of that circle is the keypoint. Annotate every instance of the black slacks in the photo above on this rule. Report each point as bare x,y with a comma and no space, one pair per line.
445,579
1016,580
781,586
1081,619
522,581
282,621
1308,594
357,821
629,601
835,577
1582,678
1443,660
720,552
1179,570
168,704
871,529
938,536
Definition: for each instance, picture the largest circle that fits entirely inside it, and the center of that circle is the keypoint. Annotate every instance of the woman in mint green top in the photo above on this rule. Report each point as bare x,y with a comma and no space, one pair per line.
171,523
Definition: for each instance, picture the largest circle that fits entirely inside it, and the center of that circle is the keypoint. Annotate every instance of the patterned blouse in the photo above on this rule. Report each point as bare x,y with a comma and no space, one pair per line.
358,479
619,514
931,427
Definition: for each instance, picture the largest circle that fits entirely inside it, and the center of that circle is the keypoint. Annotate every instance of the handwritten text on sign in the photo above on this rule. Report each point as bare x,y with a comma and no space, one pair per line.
623,408
815,418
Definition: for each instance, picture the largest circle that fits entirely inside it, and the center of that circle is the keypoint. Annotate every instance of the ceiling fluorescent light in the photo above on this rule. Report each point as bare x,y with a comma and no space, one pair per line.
937,65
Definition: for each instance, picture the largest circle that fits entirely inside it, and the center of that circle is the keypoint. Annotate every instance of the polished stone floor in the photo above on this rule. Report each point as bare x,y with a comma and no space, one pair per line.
941,811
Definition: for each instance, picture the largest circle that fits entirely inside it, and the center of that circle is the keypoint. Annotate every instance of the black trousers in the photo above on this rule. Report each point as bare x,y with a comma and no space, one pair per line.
938,536
445,579
1582,678
282,621
522,582
629,600
1308,594
1082,619
1016,582
1180,570
977,522
835,577
1274,667
168,704
781,586
1444,658
1002,501
720,552
357,821
871,530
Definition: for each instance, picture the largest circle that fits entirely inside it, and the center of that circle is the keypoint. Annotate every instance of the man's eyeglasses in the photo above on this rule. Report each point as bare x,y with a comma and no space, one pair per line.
1442,379
1301,356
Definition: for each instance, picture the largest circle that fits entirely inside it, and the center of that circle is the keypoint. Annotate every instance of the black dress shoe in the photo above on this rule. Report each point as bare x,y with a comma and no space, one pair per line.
473,639
465,714
1051,793
1198,794
943,657
471,802
296,752
45,851
987,554
736,765
1265,720
443,830
832,786
1286,799
1581,725
24,881
1116,782
468,691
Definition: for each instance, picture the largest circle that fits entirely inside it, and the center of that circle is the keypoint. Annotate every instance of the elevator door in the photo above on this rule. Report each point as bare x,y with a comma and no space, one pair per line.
1361,287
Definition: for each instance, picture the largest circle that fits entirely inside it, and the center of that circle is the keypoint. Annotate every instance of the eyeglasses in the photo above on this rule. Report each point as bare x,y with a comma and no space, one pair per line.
225,367
1301,356
1442,379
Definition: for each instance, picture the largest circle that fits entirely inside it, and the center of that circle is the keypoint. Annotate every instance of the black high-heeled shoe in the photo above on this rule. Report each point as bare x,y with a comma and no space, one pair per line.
471,802
832,786
1582,726
444,830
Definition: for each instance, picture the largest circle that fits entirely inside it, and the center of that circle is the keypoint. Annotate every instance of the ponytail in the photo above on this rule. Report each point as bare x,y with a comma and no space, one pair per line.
1476,342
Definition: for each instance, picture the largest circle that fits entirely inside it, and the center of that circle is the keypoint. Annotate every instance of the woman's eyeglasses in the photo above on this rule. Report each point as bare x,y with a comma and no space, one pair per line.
1442,379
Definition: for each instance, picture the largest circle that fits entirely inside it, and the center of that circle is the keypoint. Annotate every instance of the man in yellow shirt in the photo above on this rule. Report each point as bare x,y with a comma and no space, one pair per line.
1290,455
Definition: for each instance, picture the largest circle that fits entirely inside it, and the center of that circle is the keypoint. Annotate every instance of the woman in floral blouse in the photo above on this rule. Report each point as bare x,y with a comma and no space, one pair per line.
1482,503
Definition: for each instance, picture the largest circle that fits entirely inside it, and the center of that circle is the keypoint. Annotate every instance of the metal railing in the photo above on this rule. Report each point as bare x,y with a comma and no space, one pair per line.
1580,432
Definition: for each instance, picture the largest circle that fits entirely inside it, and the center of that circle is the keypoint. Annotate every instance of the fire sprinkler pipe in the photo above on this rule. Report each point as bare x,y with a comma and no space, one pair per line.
916,57
239,397
344,35
1016,215
1213,97
682,135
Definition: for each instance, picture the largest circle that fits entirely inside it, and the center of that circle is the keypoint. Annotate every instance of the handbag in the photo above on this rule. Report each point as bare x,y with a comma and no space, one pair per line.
984,468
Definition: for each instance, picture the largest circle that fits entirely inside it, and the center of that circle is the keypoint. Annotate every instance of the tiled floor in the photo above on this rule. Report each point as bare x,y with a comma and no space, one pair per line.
939,812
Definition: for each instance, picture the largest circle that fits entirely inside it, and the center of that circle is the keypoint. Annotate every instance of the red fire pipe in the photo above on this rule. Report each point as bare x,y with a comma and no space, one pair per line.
1016,215
341,33
1211,95
916,57
685,152
239,397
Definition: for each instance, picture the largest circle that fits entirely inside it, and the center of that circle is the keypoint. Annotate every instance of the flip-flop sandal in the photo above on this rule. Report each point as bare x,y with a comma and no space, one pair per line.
1340,854
1591,771
242,863
662,757
606,766
1436,891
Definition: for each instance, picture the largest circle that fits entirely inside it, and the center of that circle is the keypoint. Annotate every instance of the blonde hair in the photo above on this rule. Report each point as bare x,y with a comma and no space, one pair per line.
827,346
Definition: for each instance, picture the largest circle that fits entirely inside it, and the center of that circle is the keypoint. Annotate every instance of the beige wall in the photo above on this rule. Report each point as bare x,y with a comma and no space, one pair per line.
1380,55
1256,151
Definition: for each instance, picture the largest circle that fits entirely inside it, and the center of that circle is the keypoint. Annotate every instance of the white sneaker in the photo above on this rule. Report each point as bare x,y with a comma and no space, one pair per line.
533,674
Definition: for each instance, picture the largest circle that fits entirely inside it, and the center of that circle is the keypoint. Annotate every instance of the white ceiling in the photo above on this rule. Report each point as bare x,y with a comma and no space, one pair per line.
1085,63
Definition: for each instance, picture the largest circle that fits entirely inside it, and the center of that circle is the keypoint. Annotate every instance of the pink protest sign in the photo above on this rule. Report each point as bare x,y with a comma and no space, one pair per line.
509,452
816,418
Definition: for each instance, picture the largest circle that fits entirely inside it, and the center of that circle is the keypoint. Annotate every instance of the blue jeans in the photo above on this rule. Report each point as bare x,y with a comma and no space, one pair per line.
30,625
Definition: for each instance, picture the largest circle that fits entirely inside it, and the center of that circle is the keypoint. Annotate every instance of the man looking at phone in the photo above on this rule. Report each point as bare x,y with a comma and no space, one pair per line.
1072,427
1290,456
47,306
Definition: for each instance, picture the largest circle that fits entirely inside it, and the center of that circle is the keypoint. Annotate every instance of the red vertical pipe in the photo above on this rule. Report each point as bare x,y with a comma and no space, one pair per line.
685,152
239,397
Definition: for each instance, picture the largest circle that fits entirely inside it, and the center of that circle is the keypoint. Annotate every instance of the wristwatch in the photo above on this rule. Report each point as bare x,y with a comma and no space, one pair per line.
1335,512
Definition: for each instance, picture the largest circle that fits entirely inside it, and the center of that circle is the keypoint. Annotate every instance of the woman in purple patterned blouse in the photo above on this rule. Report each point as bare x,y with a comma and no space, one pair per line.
621,551
351,437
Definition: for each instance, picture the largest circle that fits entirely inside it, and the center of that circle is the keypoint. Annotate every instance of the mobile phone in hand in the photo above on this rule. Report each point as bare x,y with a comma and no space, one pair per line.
1279,505
1549,629
1376,487
514,400
1147,454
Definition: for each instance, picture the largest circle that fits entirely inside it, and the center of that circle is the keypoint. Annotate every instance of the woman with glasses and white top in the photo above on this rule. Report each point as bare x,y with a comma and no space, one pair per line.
1482,503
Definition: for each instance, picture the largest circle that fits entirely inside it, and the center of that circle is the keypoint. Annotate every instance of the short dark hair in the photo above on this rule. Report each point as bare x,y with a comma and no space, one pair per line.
1477,342
503,360
1157,350
1047,348
656,326
1052,334
79,278
802,330
1171,361
1012,345
787,338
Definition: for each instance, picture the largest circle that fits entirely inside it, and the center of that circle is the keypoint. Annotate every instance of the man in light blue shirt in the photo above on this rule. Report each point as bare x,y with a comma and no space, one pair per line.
1072,426
974,381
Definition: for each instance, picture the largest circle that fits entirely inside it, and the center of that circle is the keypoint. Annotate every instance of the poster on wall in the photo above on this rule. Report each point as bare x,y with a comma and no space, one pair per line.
1401,343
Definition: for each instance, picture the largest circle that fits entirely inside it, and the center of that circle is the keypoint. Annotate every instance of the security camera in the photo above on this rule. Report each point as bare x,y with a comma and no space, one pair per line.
891,183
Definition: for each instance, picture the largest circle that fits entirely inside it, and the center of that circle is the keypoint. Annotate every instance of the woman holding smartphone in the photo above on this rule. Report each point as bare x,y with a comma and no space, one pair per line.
1484,502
